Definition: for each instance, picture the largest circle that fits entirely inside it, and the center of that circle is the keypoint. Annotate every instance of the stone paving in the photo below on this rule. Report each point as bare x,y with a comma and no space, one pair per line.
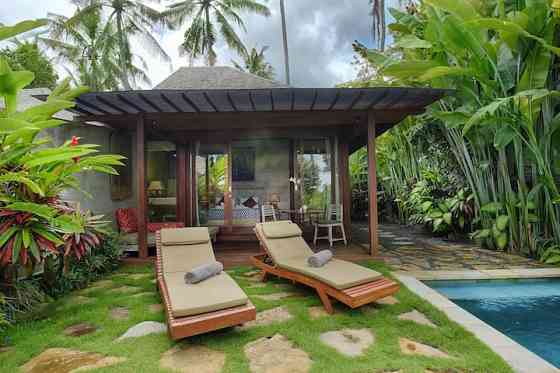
408,249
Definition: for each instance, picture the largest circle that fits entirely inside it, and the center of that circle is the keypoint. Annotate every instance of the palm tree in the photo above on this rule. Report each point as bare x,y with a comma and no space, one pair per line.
91,47
132,20
255,63
379,22
285,42
205,16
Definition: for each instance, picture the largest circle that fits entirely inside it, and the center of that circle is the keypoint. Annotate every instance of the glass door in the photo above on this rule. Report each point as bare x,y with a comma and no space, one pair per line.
213,185
161,181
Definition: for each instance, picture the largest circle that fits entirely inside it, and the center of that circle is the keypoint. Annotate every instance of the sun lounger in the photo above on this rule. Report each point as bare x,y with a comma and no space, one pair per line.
215,303
286,256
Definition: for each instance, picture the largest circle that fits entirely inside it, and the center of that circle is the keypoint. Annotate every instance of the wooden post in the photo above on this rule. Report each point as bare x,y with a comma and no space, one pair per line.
181,183
228,205
142,207
372,187
193,186
345,187
292,175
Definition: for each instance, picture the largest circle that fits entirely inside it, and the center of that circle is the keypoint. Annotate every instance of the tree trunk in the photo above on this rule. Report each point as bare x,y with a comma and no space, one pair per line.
285,39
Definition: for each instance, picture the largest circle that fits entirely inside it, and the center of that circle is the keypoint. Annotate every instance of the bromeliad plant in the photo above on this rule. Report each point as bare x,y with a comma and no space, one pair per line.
33,173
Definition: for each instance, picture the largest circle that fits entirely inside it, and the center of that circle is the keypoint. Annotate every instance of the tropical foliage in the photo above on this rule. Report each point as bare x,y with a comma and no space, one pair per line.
501,123
208,20
27,56
254,62
36,227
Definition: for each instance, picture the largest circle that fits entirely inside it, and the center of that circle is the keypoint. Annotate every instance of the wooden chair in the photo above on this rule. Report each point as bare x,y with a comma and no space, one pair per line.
286,257
333,219
267,211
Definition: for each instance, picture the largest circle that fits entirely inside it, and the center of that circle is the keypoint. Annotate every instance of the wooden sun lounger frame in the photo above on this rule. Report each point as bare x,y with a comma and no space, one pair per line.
353,297
188,326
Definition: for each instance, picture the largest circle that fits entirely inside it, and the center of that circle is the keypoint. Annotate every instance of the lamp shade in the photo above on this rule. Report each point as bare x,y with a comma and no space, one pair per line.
155,185
274,198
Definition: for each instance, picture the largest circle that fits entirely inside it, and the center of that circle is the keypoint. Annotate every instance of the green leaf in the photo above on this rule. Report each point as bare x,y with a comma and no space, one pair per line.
437,224
444,71
43,211
447,217
412,42
9,125
19,28
462,9
15,177
17,247
502,222
483,233
502,241
504,136
492,208
5,237
34,250
26,236
53,155
426,206
407,70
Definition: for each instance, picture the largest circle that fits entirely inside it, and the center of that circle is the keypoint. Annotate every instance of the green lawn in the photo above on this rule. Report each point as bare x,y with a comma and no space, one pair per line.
143,354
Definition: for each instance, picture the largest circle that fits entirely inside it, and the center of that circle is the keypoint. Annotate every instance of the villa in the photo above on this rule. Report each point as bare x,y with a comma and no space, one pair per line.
209,146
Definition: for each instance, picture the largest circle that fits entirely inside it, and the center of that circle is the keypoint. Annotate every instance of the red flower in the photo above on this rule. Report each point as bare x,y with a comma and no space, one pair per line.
74,142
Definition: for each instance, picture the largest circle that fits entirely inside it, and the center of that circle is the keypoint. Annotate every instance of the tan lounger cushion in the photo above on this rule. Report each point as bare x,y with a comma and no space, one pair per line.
184,236
339,274
213,294
281,229
285,248
186,257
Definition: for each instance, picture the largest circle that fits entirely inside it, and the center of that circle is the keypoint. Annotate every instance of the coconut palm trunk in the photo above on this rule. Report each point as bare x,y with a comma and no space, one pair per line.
285,40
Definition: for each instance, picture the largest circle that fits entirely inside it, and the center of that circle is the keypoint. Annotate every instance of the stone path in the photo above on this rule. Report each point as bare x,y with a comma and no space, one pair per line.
80,329
275,296
409,347
119,313
193,359
144,328
62,360
349,342
410,249
274,315
417,317
276,354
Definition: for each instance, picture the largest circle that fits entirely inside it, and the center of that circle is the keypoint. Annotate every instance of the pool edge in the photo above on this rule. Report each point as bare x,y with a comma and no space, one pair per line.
518,357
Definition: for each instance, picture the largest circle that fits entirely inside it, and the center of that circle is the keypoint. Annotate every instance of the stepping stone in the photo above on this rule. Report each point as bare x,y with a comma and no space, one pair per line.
417,317
139,276
317,312
275,296
4,349
409,347
142,329
349,342
155,308
278,314
79,330
79,300
125,289
63,360
119,313
387,301
258,285
276,355
251,273
193,359
144,293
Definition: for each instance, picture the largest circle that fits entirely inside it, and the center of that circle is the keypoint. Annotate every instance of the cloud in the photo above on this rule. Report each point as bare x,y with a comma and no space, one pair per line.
320,36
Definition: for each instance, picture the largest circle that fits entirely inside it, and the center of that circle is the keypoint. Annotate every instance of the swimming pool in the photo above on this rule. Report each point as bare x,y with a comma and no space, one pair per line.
528,311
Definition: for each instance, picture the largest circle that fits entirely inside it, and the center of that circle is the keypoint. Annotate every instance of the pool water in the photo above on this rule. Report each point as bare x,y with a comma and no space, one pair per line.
528,311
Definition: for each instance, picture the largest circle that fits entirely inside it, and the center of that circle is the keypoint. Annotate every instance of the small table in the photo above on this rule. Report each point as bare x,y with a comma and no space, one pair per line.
299,217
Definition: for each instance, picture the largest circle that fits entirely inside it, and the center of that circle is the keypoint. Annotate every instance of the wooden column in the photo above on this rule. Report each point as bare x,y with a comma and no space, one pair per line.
182,181
292,175
372,187
193,186
141,208
228,203
345,187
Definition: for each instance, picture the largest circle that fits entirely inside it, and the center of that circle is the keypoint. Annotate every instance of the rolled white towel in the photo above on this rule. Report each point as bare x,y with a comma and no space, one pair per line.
203,272
320,259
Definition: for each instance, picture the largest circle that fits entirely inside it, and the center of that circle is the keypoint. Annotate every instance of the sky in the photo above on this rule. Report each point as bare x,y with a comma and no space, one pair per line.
320,36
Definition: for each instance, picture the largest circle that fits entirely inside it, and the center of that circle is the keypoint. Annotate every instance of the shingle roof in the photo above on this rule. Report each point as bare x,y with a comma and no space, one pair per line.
26,100
216,77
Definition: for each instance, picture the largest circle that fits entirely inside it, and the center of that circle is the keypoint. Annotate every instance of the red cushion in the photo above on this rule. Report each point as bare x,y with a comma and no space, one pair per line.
154,227
127,220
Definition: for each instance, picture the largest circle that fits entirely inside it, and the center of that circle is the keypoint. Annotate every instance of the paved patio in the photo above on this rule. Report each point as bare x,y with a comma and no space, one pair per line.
409,249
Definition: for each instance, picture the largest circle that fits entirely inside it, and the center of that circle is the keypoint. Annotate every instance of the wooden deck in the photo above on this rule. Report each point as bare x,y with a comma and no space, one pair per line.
234,254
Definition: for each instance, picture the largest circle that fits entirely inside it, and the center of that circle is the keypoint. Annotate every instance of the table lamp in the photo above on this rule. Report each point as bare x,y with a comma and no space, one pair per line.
274,199
155,188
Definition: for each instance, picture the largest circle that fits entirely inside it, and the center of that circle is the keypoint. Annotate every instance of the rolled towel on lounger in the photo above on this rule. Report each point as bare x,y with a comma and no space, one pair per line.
203,272
320,259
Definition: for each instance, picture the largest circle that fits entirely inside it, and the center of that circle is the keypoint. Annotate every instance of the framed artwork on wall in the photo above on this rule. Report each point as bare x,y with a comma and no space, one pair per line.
243,164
